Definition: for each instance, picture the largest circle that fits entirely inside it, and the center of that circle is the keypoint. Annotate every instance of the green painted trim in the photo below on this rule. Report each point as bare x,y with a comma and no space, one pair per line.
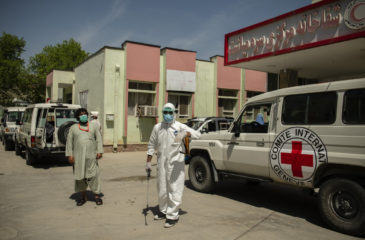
215,92
162,85
142,91
226,97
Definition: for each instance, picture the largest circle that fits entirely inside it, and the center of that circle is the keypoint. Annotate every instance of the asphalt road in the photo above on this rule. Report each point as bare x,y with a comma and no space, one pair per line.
38,203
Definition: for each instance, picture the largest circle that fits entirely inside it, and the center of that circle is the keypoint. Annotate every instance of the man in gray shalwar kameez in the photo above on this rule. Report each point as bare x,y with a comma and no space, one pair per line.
83,148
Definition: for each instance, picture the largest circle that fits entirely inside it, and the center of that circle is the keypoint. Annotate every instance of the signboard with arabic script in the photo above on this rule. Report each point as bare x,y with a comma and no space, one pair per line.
325,22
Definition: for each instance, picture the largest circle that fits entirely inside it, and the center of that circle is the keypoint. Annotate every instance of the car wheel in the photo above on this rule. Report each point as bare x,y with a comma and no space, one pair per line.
200,174
30,158
18,150
8,145
342,205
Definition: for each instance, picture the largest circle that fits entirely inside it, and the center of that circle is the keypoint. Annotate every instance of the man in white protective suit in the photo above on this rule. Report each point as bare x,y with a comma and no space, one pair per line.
166,138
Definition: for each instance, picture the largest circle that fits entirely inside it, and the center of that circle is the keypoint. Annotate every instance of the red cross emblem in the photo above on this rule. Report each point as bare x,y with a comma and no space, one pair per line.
297,159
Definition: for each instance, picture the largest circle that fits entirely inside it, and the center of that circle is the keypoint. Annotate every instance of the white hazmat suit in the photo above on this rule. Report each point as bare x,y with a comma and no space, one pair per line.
166,139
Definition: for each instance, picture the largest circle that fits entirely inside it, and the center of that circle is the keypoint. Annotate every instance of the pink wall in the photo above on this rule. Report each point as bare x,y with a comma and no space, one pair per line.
255,81
227,77
180,60
49,79
143,62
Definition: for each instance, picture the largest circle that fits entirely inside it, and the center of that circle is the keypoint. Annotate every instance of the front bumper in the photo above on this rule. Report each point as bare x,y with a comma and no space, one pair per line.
9,136
54,151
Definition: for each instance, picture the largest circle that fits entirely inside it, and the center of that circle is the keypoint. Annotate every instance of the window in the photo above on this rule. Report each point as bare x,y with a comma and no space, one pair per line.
224,124
227,100
251,94
83,99
28,115
316,108
65,115
140,94
42,119
354,107
13,116
255,119
181,103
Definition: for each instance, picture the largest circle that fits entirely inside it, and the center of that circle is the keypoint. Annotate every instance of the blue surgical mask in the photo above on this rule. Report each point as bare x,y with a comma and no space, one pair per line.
168,117
83,118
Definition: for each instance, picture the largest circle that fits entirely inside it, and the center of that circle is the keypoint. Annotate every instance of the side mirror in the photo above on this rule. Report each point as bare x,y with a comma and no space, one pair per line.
204,130
236,128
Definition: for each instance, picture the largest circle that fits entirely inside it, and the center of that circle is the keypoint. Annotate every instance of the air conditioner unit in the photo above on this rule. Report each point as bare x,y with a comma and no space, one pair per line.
146,111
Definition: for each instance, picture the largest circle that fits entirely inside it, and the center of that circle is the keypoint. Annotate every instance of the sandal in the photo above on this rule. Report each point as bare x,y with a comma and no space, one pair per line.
80,202
98,201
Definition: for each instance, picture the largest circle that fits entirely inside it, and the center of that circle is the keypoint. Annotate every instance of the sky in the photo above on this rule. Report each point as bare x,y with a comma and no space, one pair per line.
195,25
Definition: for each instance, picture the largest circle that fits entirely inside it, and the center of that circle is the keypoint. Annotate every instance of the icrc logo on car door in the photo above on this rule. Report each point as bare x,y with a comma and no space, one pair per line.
295,155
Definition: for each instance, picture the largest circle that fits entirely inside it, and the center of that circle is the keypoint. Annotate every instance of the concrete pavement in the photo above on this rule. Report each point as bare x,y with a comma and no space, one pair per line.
38,203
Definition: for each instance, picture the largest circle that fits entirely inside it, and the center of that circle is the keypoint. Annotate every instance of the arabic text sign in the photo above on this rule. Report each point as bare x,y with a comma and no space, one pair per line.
308,28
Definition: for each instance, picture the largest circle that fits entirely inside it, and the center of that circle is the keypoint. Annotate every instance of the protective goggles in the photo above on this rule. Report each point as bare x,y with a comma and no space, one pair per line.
168,112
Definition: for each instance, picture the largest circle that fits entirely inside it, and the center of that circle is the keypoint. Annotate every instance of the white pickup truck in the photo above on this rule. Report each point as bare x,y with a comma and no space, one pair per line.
310,136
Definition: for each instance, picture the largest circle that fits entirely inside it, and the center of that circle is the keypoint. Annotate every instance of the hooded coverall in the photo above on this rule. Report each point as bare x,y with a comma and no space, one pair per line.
170,163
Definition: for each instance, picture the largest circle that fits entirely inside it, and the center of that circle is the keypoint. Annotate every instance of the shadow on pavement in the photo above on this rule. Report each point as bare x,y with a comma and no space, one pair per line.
89,196
154,210
52,162
279,198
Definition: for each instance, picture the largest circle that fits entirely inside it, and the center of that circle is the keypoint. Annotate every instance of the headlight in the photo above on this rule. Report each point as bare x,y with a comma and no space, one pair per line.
9,129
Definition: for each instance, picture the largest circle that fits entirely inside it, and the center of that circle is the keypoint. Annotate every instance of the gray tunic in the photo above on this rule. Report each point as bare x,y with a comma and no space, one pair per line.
83,145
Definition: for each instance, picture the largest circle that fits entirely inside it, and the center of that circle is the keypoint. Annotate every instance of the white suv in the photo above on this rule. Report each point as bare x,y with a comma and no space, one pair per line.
9,126
43,130
311,137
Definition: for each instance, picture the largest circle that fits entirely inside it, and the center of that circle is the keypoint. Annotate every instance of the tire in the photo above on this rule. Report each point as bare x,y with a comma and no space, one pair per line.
200,174
342,205
8,145
30,158
18,149
63,131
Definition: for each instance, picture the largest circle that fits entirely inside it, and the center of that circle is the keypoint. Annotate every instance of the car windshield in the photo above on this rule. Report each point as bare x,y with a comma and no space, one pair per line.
65,115
13,116
194,124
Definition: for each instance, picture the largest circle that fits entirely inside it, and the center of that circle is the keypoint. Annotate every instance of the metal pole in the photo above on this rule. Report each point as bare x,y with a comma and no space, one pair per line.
148,187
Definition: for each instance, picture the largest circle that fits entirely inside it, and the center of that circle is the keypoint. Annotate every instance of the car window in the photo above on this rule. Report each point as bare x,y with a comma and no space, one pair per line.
223,124
255,119
13,116
28,115
315,108
212,126
204,127
354,107
65,115
42,119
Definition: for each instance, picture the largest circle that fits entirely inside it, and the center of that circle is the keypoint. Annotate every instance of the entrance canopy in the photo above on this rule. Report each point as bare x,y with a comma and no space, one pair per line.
325,40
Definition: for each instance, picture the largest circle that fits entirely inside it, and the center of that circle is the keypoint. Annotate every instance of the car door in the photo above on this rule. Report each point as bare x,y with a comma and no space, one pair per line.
25,127
247,146
40,132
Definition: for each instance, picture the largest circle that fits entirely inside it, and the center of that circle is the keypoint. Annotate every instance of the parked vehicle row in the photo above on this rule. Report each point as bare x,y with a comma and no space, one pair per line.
43,130
38,129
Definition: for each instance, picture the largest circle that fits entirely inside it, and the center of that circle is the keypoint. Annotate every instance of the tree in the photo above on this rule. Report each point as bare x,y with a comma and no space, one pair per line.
11,66
64,56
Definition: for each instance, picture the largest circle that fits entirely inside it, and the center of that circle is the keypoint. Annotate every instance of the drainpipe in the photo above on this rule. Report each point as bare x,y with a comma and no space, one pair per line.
116,88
